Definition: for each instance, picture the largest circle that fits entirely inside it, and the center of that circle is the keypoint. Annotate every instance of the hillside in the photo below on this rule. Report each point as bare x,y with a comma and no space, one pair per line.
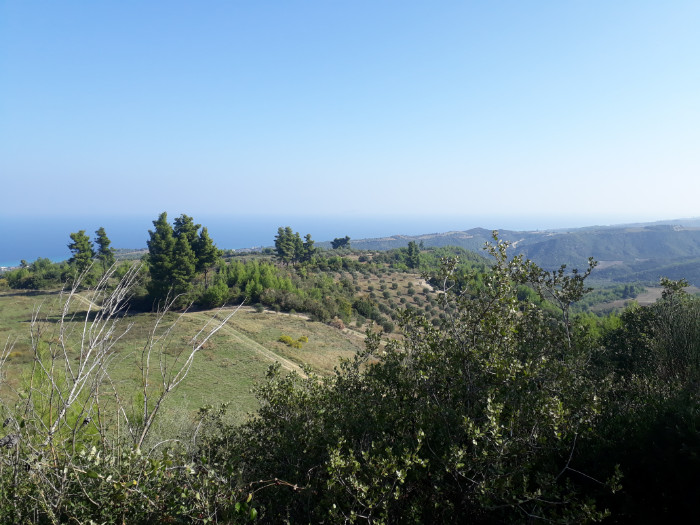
227,367
640,252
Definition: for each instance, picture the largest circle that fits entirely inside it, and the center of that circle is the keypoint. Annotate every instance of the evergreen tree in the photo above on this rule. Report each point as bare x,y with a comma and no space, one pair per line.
177,254
308,249
184,265
104,253
206,254
340,242
298,251
284,244
413,255
82,250
160,257
184,225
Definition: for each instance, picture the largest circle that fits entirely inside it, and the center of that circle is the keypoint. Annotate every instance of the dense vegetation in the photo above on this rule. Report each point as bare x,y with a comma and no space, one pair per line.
497,403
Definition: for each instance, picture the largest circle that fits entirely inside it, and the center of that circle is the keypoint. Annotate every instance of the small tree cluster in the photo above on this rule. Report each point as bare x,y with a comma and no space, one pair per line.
176,254
83,252
290,249
340,242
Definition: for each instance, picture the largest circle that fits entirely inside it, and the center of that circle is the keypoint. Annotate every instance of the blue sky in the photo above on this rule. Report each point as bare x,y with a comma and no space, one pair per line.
587,109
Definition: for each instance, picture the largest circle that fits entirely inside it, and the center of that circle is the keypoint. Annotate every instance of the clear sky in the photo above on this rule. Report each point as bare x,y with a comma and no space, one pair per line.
566,108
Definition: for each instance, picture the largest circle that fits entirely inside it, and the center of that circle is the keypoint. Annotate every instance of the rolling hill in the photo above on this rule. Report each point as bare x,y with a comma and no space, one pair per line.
637,252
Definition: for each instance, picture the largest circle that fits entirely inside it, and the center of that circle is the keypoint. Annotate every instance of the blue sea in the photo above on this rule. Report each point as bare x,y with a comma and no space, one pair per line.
29,238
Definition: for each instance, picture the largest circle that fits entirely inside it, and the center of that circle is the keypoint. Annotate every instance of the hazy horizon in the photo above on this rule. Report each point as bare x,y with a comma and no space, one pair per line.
358,108
31,237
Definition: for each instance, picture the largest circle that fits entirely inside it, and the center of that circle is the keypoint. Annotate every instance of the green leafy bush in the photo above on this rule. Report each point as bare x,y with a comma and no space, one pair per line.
478,418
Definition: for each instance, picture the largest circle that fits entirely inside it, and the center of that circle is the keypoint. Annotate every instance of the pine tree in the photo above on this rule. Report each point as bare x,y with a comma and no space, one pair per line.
340,242
160,257
184,263
206,254
184,225
309,250
104,253
82,250
284,244
413,255
298,250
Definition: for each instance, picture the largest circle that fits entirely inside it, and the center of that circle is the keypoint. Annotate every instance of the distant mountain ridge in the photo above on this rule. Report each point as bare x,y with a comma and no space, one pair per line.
645,250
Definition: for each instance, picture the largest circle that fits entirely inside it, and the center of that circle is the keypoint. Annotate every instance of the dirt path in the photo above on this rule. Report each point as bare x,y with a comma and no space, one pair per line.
87,301
257,347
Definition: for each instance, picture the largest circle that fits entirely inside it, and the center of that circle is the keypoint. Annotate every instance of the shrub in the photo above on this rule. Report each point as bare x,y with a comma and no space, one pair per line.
214,296
478,421
337,323
289,341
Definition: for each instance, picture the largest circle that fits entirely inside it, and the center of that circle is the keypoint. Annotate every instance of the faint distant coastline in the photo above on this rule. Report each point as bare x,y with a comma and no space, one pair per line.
33,238
6,266
123,254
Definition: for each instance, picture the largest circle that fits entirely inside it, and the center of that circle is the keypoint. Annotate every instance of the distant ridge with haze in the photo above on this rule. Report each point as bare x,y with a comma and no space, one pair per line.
640,251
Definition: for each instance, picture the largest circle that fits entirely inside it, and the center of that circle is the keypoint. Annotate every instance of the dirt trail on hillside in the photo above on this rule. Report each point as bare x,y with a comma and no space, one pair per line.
257,347
231,332
87,301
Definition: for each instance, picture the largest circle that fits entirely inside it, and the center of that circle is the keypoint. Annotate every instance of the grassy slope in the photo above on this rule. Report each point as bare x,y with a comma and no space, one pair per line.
225,370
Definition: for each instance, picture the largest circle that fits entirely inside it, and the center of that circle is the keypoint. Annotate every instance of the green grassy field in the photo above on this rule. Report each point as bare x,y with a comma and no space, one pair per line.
224,370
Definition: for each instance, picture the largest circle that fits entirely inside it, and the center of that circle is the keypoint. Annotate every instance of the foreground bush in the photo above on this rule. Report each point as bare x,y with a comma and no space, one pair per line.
476,420
508,410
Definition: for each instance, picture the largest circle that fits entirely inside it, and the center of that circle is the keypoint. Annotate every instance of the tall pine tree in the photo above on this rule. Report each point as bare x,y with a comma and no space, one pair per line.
309,250
104,253
82,251
184,226
160,258
206,254
183,269
413,259
176,255
284,244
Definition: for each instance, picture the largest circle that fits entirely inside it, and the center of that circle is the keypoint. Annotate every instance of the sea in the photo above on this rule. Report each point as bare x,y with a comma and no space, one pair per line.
30,237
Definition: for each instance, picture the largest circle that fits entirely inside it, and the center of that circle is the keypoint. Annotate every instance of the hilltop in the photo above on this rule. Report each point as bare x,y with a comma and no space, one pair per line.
632,252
